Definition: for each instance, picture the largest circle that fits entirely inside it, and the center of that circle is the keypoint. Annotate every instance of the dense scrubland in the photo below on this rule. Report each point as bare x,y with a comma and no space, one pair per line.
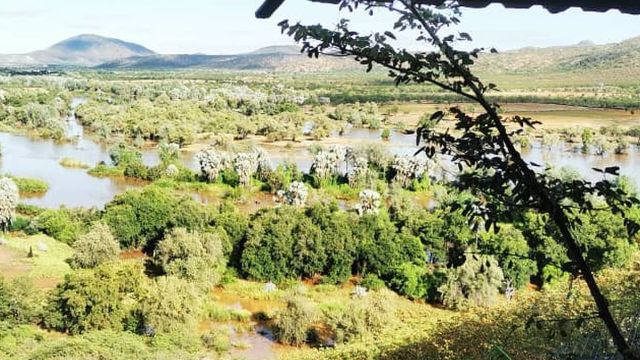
366,255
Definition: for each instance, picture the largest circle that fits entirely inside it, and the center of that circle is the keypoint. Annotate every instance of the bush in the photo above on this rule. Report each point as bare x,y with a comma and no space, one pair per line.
217,340
337,240
512,251
372,282
409,280
292,324
282,243
95,247
19,301
360,316
93,299
476,283
123,155
30,186
190,255
170,304
381,247
235,225
65,225
139,218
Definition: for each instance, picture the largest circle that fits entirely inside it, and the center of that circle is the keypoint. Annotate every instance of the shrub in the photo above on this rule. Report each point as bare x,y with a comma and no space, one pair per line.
409,280
476,283
190,255
360,316
65,225
30,186
217,340
381,247
372,282
95,247
93,299
235,225
123,155
19,301
292,324
282,243
337,240
123,222
139,218
512,251
386,134
170,304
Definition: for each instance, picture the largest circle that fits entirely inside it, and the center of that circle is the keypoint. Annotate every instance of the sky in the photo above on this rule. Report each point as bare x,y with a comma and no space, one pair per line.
229,26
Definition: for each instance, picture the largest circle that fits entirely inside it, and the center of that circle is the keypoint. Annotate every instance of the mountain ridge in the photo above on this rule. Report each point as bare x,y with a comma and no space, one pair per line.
89,50
79,50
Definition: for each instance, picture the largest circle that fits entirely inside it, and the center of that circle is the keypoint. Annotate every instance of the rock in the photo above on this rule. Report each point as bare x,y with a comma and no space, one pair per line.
270,287
42,247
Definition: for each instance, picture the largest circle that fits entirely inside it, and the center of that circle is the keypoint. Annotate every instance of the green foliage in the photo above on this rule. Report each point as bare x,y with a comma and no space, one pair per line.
409,280
216,312
170,304
510,248
235,225
123,155
476,283
190,255
386,134
30,186
65,225
217,339
292,324
337,240
139,218
95,247
360,316
93,299
103,170
282,243
380,247
372,282
19,301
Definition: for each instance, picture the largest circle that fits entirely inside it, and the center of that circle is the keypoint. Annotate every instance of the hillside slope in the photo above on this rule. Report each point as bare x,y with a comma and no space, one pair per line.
81,50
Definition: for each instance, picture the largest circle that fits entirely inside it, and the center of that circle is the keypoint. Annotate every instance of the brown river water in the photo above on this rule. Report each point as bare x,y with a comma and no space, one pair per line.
37,158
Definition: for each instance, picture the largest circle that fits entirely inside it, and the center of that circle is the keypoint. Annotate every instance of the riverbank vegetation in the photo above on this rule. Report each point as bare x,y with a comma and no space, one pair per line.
380,276
365,254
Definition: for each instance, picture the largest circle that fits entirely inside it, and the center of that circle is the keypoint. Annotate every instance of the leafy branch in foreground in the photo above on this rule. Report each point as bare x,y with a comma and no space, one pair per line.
481,144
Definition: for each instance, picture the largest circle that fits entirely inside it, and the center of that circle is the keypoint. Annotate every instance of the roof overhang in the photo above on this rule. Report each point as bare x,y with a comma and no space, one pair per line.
554,6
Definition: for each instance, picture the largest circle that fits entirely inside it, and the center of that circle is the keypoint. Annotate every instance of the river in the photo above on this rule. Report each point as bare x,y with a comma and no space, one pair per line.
36,158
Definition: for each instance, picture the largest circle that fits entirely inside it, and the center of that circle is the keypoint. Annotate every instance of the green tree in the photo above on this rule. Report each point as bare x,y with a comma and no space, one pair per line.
190,255
292,324
477,282
507,182
510,248
337,240
170,304
19,301
95,247
93,299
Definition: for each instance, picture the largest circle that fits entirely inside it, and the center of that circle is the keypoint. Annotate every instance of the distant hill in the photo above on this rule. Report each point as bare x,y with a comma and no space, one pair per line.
281,58
581,57
81,50
113,54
